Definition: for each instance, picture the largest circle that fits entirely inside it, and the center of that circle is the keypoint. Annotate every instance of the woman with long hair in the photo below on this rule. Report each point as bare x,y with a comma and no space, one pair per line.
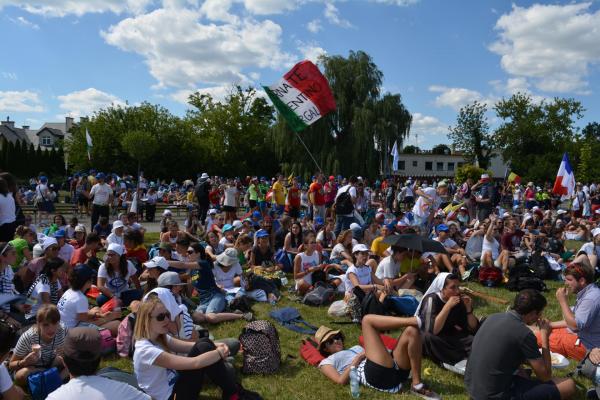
306,263
293,240
343,249
47,288
114,277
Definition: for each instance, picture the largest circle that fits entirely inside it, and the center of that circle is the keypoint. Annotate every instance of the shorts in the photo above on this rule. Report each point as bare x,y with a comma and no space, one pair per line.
293,212
564,342
382,378
228,208
533,389
82,200
252,203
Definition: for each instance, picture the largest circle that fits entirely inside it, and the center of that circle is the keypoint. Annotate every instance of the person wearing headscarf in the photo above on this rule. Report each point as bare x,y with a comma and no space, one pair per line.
448,324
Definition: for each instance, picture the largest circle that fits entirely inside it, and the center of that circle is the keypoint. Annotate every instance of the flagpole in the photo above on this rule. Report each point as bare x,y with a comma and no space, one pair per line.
308,151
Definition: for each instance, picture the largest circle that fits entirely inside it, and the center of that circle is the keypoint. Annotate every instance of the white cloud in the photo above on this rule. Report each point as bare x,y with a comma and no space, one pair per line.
553,45
454,98
311,52
314,26
24,22
60,8
333,15
401,3
84,102
190,53
426,124
9,75
266,7
20,101
218,10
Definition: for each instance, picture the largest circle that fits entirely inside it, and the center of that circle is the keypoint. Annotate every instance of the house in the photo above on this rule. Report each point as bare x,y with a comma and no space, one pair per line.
11,133
50,134
426,164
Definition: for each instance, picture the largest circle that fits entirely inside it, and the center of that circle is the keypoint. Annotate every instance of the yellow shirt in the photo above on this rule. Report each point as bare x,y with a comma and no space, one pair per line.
279,193
378,247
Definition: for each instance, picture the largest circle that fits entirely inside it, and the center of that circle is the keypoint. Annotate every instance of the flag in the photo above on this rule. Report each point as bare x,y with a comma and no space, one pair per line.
396,156
302,96
88,139
451,210
512,177
565,179
289,179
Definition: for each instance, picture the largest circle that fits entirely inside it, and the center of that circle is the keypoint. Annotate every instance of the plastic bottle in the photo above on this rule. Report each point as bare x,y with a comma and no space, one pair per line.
354,383
597,380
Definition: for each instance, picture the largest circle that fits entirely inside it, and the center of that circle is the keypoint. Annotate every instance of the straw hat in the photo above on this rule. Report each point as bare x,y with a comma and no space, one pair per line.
324,334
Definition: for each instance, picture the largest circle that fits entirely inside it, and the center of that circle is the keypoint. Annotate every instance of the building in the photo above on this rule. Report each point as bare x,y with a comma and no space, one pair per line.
426,164
47,137
11,133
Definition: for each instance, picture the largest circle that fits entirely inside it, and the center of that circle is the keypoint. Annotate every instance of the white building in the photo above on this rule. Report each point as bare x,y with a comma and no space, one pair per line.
426,164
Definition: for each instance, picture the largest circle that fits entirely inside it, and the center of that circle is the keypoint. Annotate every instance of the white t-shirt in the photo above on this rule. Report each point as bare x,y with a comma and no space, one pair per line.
36,294
93,387
225,279
589,249
492,246
116,283
230,194
387,268
5,380
336,252
7,209
70,304
363,273
156,381
101,193
66,252
350,189
423,207
307,262
321,237
112,238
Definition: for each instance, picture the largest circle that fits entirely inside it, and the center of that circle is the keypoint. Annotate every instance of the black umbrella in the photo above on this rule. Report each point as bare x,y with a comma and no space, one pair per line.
415,242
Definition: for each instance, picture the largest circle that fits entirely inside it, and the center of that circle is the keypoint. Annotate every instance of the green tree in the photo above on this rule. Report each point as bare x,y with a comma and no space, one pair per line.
411,150
591,131
441,149
471,134
584,172
358,136
469,171
533,136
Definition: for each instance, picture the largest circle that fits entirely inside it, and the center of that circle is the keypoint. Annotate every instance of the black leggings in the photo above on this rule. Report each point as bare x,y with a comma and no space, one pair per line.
189,383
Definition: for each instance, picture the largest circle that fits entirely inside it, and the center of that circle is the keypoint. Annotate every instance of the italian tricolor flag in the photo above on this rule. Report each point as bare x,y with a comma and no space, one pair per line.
302,96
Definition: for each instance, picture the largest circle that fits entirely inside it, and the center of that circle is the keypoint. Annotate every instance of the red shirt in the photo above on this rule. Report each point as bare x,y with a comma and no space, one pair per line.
214,197
138,252
80,257
330,192
293,198
318,193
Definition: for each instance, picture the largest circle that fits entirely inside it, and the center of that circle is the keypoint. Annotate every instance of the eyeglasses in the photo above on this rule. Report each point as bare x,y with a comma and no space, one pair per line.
190,251
161,317
334,338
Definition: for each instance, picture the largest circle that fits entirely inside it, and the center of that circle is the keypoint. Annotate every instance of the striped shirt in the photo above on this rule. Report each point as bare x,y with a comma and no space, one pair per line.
6,284
187,324
49,350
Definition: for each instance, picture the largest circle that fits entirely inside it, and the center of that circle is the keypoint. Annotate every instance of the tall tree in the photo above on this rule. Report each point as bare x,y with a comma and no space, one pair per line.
471,134
441,149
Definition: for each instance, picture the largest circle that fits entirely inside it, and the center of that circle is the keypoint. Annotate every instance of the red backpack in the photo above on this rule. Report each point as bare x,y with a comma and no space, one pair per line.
310,353
389,342
489,276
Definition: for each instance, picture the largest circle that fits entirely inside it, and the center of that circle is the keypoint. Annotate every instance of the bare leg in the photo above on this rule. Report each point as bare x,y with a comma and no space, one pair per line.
374,347
566,387
408,353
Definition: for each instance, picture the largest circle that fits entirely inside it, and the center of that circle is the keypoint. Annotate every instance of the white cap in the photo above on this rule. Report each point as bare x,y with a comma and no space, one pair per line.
117,248
167,212
157,261
595,231
237,224
560,212
359,247
354,226
204,176
380,210
117,224
212,211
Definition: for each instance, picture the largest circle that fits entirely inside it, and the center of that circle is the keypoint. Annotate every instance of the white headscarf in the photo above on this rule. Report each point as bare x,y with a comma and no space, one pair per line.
168,300
436,286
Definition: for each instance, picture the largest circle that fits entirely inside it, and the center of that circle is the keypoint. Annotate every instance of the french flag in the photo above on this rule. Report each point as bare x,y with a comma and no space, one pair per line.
565,179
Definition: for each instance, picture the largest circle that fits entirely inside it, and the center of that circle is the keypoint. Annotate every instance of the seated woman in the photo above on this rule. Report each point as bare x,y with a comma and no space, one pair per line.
228,239
343,249
28,273
47,288
306,264
293,240
79,238
22,243
214,247
40,347
326,237
360,273
116,235
262,258
243,245
173,233
377,368
8,337
228,275
73,305
8,255
162,373
448,324
114,278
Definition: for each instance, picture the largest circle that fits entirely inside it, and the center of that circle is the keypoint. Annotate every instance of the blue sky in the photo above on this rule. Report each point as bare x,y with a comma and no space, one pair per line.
70,57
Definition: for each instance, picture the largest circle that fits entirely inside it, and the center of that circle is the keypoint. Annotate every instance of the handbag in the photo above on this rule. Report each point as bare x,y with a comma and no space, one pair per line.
42,383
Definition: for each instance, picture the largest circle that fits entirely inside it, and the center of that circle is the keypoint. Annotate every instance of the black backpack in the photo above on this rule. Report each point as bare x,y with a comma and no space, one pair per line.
343,203
523,277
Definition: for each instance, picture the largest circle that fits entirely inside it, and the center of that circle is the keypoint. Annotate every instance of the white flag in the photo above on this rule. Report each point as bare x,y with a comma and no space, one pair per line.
88,139
396,156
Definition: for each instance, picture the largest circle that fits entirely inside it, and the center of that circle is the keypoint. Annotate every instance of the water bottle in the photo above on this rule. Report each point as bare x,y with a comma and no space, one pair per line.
597,379
354,383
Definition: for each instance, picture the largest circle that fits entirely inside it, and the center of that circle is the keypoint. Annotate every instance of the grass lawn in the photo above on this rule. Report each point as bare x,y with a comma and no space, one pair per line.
297,380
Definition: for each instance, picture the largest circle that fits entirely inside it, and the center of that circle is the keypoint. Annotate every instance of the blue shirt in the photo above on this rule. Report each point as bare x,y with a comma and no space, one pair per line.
587,316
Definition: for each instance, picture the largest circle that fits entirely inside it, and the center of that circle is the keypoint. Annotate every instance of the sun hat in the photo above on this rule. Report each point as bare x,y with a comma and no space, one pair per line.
359,247
47,242
261,233
165,246
204,176
82,344
561,212
117,248
169,278
442,184
323,334
80,228
116,225
157,262
228,257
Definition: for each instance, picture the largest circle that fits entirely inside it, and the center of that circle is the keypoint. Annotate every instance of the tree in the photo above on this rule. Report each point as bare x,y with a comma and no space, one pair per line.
345,141
584,168
441,149
471,134
591,131
411,150
469,171
533,136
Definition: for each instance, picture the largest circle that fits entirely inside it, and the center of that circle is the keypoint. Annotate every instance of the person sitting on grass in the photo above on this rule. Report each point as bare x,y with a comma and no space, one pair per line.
82,358
377,368
88,252
306,264
360,274
114,277
503,343
580,328
262,257
455,257
396,270
8,337
47,288
448,321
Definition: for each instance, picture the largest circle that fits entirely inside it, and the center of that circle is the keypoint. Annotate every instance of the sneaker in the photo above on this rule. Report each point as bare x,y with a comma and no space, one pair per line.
248,316
424,392
466,275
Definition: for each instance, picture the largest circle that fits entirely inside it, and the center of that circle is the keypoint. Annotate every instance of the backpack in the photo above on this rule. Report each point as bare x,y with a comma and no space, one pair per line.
290,318
539,264
523,277
262,353
310,353
343,203
125,342
42,383
489,276
321,294
108,344
119,375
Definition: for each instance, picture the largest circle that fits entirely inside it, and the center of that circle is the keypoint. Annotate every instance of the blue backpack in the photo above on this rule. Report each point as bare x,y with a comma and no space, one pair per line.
290,318
42,383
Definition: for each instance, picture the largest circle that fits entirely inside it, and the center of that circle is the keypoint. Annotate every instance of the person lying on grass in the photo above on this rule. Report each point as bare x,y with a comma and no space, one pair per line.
377,368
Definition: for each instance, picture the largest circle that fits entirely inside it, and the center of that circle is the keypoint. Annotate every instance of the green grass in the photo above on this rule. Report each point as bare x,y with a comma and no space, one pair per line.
297,380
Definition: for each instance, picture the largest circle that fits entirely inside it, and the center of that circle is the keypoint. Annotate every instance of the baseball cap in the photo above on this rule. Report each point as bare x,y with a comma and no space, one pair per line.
82,344
80,228
212,211
442,228
359,247
84,271
442,184
354,226
169,278
261,233
116,225
319,220
560,212
60,233
256,214
117,248
167,212
227,227
100,175
157,262
237,224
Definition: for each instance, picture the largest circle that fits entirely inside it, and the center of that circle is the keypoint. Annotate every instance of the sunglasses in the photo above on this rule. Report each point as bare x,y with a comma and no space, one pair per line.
334,338
190,251
161,317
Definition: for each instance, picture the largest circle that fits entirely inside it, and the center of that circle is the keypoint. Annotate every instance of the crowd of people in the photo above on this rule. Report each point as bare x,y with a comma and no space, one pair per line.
67,286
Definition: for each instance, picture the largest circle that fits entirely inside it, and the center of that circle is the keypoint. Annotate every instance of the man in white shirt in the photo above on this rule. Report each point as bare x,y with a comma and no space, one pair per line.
81,354
101,195
428,203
